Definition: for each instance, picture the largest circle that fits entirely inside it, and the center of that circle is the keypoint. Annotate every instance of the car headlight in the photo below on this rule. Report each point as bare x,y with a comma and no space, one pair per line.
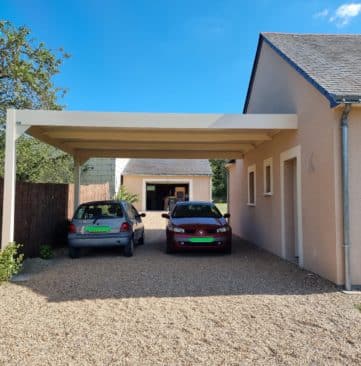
223,229
177,229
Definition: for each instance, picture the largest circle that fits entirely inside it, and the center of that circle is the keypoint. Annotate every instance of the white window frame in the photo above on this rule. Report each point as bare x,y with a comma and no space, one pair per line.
252,169
267,163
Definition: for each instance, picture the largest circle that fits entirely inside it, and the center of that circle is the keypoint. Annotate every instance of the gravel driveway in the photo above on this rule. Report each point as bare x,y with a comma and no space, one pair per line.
185,309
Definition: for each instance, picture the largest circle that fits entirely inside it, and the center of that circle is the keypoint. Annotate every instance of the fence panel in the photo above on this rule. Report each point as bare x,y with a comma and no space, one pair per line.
41,211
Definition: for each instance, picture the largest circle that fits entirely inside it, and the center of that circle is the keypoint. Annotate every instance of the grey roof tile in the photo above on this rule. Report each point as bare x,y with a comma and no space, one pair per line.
167,167
333,62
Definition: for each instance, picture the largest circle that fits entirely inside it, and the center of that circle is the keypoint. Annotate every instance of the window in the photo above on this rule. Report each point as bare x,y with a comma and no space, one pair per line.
129,208
98,211
252,185
267,177
196,210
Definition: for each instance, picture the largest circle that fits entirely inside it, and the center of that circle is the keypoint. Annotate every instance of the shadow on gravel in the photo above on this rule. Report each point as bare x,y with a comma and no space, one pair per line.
104,274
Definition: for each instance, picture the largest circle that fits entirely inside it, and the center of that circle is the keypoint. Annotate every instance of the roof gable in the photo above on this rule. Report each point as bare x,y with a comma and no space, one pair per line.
331,63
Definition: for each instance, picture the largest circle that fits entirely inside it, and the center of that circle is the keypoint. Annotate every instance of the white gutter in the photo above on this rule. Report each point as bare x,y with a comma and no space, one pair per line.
346,194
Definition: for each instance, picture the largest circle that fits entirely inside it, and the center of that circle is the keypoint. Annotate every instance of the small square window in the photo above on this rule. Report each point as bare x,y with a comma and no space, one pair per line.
252,185
267,177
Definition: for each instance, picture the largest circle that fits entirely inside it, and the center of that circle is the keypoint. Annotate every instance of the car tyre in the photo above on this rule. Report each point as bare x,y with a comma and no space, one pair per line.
141,240
74,252
228,249
129,248
168,248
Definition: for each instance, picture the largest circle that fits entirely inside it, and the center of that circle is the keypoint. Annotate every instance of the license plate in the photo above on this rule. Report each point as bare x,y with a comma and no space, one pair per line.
97,229
201,240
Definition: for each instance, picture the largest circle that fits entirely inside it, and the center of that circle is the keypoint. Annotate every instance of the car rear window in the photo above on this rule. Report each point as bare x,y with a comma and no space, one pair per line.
196,210
97,211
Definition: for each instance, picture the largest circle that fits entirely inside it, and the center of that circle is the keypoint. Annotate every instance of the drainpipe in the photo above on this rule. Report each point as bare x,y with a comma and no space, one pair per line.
345,194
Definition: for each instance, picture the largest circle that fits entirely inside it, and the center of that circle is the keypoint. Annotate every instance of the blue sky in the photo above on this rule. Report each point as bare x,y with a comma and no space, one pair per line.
167,55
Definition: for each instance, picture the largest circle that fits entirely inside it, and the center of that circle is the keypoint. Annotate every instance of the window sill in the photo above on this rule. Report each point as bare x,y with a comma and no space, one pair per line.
268,194
251,204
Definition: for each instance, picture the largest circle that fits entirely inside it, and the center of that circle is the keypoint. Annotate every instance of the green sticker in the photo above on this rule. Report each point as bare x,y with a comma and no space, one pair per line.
201,240
97,229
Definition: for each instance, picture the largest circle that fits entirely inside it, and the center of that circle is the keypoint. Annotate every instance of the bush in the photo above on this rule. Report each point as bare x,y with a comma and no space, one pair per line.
10,261
46,252
124,195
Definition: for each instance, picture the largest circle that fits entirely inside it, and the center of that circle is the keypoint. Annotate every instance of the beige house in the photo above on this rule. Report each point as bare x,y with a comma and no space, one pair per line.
287,194
156,181
294,183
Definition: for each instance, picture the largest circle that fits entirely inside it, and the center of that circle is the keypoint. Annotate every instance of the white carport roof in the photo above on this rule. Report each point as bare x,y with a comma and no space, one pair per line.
134,135
153,135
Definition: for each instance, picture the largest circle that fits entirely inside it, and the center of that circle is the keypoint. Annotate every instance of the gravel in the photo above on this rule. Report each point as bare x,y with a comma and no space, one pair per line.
185,309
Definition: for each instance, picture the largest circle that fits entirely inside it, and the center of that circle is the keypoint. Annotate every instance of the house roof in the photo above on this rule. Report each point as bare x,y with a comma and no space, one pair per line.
167,167
331,63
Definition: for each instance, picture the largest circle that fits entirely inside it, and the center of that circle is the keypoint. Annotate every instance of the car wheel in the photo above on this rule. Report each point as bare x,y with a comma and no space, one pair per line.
168,248
74,252
228,249
141,239
129,248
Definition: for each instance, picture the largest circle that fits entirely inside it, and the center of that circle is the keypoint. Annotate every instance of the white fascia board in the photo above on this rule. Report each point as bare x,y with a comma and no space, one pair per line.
156,120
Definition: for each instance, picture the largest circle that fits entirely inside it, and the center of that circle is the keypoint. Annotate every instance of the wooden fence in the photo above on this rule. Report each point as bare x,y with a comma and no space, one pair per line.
42,210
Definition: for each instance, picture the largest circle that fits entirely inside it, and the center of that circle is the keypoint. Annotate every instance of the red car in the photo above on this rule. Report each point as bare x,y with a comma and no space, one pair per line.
197,225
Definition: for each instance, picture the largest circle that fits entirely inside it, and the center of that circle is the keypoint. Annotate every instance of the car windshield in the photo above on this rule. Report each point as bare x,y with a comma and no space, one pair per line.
196,210
98,211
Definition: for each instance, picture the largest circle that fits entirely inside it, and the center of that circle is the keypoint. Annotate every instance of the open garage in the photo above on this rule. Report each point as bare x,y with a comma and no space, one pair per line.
162,196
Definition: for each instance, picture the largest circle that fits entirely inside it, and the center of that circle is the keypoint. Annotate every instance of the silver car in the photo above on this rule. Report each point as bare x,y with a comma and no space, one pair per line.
105,223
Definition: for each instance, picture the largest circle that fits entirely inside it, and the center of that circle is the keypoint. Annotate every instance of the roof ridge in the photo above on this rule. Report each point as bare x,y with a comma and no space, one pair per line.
314,34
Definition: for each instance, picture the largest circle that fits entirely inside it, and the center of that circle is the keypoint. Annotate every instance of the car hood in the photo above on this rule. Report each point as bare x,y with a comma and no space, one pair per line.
199,221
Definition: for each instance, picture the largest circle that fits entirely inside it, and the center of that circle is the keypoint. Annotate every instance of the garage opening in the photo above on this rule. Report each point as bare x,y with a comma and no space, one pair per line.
162,196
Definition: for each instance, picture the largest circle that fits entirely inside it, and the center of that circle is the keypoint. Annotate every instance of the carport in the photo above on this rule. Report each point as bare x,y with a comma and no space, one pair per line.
133,135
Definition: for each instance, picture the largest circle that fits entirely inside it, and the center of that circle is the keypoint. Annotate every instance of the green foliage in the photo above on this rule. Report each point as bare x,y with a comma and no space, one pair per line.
10,261
39,163
222,207
27,68
26,71
46,252
124,195
219,180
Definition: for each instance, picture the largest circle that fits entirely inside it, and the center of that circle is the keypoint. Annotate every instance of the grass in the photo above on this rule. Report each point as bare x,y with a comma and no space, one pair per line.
222,207
358,307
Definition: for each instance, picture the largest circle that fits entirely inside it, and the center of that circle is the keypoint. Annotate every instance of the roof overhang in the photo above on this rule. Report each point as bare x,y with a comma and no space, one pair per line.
153,135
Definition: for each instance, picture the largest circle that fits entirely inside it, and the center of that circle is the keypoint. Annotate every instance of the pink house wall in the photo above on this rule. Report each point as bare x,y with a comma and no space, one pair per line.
278,88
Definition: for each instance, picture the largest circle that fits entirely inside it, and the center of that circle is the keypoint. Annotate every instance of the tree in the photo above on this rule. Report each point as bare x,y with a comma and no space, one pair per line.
27,68
219,180
124,195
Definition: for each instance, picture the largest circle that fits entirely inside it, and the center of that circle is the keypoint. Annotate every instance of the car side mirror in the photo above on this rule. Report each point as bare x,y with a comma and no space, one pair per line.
165,216
227,215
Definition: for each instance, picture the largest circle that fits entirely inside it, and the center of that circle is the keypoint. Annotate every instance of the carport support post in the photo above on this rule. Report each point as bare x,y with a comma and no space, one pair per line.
9,180
76,182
